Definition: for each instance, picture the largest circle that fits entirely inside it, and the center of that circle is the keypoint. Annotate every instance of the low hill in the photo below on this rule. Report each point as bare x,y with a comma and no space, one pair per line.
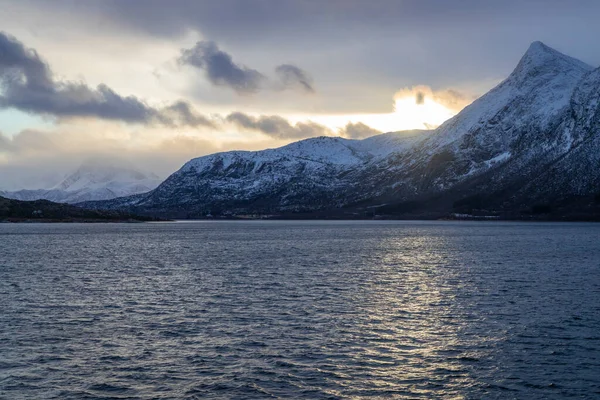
47,211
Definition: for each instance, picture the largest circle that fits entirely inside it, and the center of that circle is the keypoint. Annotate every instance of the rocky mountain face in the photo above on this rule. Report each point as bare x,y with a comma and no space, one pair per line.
531,145
93,180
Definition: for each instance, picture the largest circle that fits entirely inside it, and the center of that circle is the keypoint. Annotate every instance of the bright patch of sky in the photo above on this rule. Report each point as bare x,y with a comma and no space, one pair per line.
14,121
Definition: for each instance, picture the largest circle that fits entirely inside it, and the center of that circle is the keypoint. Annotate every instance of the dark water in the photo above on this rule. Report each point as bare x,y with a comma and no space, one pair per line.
300,310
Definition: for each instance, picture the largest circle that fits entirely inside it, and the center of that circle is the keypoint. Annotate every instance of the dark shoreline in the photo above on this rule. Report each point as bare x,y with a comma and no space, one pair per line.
67,221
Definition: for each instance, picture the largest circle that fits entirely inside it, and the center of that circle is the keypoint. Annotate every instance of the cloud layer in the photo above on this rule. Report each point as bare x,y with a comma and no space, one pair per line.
277,127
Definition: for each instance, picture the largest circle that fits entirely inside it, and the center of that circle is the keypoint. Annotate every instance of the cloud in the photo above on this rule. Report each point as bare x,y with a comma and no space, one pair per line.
220,68
181,113
27,84
278,127
290,76
358,131
26,142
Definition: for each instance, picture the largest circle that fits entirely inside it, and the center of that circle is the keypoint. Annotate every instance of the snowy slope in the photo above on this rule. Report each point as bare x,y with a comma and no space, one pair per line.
578,171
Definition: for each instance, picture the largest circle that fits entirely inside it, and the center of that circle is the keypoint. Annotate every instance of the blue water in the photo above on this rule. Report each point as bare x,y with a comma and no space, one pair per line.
300,310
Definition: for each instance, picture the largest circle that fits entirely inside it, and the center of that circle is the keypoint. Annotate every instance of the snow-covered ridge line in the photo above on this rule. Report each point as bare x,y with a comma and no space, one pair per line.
325,150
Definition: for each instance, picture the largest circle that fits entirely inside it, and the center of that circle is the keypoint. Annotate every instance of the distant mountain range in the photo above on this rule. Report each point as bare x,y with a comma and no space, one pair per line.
96,179
529,147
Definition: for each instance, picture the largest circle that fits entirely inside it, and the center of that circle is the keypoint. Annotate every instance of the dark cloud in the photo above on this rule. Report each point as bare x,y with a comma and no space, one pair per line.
291,76
220,68
28,85
278,127
358,131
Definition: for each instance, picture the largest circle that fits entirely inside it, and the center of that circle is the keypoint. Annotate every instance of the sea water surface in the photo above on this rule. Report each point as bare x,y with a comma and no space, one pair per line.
253,310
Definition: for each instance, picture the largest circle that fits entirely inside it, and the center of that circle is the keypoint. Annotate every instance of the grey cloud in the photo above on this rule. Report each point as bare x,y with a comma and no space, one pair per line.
291,75
358,131
220,68
278,127
28,85
182,114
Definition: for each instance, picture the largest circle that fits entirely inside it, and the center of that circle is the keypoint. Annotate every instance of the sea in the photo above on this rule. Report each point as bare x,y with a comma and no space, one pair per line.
300,310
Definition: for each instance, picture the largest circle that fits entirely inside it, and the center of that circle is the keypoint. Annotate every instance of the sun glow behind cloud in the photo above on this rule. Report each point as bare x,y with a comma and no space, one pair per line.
426,114
418,107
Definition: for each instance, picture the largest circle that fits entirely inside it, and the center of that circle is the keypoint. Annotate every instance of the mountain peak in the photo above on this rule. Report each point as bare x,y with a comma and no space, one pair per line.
540,59
539,52
539,47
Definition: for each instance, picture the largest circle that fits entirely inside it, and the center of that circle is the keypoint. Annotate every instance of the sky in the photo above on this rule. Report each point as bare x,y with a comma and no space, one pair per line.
161,82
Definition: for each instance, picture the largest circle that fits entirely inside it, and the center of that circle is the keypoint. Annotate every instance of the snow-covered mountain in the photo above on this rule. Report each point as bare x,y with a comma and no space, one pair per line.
96,179
532,141
309,174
